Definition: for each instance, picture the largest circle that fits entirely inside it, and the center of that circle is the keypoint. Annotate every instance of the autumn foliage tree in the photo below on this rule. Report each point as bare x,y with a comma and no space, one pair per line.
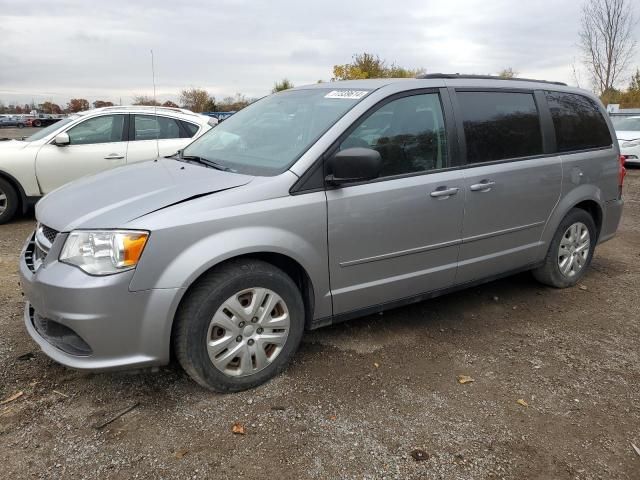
50,108
368,65
197,100
77,105
170,104
102,103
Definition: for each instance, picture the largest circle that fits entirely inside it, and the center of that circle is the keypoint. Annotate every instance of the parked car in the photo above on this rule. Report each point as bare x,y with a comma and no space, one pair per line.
90,142
628,133
316,205
9,121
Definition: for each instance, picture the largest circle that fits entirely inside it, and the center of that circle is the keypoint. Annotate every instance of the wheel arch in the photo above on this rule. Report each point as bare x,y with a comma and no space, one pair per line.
284,262
22,196
585,197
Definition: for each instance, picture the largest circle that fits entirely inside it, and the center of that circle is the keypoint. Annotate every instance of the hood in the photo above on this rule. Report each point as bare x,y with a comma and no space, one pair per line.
11,144
626,135
115,197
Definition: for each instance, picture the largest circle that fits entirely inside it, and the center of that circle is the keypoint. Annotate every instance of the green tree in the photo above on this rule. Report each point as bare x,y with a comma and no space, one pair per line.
368,65
508,73
283,84
634,86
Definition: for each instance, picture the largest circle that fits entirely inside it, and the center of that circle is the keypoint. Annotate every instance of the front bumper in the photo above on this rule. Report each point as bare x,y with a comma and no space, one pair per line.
98,323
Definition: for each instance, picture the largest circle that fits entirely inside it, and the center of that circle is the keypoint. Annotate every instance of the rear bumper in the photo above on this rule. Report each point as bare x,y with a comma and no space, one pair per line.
96,323
610,219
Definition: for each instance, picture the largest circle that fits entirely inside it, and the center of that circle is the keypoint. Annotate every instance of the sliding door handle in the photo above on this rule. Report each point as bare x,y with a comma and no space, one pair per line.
483,186
443,192
114,156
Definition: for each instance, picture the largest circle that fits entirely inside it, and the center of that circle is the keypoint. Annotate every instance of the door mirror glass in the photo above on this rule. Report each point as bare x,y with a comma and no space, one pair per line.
61,139
356,164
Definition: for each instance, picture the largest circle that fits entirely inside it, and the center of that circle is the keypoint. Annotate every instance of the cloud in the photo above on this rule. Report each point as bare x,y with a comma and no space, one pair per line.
102,50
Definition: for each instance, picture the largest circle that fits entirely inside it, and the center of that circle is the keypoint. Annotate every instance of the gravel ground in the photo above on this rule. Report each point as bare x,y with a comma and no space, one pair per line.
361,397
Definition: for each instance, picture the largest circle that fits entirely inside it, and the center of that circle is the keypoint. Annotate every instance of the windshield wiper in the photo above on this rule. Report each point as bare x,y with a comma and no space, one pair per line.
207,162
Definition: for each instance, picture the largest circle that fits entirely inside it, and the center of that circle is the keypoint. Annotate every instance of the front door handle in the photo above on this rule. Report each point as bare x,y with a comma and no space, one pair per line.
114,156
483,186
444,192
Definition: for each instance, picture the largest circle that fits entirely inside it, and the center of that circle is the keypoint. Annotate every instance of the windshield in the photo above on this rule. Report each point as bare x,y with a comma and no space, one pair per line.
51,128
622,124
268,136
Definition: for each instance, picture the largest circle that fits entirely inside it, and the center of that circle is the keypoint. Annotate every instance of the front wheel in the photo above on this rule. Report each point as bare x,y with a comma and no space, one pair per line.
8,201
239,326
570,252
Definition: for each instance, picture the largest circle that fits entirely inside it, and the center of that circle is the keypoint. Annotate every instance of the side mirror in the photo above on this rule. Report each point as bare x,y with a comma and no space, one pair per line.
62,139
354,165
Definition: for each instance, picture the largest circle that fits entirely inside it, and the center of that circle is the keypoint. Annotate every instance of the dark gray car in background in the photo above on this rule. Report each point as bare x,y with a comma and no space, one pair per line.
317,205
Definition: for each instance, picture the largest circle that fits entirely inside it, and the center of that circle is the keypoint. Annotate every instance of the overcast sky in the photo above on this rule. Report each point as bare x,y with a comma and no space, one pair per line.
53,50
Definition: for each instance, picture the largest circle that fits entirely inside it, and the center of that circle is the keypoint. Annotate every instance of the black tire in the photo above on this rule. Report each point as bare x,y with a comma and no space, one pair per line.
21,125
549,273
203,300
10,203
37,123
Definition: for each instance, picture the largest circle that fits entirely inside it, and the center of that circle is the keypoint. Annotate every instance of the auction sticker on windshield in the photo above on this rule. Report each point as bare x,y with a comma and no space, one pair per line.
347,94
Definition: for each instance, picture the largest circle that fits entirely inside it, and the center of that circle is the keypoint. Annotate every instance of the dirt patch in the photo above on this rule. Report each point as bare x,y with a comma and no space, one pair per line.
362,396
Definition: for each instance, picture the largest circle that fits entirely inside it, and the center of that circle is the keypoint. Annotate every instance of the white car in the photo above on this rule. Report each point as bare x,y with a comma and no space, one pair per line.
87,143
628,133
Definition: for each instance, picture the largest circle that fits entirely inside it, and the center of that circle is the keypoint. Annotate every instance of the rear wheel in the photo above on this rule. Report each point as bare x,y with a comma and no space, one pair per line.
8,201
239,326
570,252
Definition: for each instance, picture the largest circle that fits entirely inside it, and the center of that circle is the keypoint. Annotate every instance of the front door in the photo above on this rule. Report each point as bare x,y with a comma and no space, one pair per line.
96,144
397,236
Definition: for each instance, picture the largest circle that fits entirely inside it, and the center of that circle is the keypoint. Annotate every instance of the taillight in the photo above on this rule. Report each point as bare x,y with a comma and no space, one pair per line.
621,174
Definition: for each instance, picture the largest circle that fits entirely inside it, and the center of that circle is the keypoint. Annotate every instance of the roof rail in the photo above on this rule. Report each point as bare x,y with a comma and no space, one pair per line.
483,77
149,107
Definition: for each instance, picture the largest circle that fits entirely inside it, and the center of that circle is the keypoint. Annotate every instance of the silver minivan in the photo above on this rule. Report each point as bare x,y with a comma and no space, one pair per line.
313,206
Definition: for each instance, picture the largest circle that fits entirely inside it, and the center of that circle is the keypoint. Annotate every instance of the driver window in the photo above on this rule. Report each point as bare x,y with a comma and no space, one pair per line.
408,133
104,129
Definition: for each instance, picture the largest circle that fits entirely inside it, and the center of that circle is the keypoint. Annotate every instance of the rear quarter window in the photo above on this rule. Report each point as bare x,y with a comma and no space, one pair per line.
578,122
189,129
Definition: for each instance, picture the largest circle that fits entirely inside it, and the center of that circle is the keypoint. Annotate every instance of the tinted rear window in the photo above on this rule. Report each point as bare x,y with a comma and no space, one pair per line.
500,125
578,122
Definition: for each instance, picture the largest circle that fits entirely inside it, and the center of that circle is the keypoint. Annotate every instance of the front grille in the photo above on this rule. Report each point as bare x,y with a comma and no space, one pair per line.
39,246
29,254
49,233
60,336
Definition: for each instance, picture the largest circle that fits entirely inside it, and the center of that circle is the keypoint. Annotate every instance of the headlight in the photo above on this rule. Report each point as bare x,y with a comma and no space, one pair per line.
103,252
631,143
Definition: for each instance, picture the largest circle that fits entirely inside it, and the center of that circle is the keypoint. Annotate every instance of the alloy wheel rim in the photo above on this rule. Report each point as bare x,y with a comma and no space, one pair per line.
248,332
574,249
3,202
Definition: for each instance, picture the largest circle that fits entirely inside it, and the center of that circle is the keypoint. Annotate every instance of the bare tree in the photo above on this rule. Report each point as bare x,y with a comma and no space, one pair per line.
606,40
